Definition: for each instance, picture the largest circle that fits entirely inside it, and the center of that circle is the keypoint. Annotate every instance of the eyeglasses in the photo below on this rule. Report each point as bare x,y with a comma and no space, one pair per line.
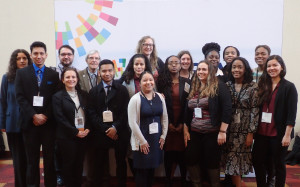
66,54
94,58
148,45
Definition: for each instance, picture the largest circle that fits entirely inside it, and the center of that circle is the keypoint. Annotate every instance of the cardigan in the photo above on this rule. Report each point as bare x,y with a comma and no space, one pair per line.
134,108
220,107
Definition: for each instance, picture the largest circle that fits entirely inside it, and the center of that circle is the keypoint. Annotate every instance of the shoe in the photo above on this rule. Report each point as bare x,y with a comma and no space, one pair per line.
60,181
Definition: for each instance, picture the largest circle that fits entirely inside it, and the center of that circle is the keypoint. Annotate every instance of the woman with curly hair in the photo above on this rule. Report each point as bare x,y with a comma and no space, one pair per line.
187,64
278,98
229,53
175,90
146,46
207,115
9,112
237,159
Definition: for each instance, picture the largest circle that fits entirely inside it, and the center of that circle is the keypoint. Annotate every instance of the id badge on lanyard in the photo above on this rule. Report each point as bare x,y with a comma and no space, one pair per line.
38,100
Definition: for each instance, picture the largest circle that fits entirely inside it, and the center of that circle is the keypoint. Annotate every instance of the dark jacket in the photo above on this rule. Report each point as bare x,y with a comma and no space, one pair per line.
219,107
64,113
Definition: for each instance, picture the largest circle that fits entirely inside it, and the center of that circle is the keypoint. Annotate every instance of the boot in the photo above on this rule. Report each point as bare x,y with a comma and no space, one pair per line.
195,174
214,177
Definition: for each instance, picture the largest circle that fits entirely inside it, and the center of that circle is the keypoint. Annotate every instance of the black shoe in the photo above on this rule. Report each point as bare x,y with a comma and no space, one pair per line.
60,181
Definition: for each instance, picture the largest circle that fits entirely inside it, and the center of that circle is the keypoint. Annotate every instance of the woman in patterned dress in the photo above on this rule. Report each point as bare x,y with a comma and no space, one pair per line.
237,158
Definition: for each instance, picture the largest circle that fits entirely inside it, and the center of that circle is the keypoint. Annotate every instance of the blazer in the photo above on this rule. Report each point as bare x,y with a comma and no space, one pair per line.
64,113
117,102
285,107
26,87
220,107
183,98
84,80
9,108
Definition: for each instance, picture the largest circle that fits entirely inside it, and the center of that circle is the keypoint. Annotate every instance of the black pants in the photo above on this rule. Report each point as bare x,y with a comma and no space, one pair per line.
72,152
172,158
33,139
144,177
17,149
269,148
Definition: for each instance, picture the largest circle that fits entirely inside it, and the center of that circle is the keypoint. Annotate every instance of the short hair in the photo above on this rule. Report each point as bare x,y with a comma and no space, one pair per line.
38,44
91,53
236,49
183,52
106,61
212,46
265,47
248,72
77,87
66,46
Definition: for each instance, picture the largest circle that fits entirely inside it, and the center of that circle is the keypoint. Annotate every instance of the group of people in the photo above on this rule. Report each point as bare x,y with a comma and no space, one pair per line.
158,112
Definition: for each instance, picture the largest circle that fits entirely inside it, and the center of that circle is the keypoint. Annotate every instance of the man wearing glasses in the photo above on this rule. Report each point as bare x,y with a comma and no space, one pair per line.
66,57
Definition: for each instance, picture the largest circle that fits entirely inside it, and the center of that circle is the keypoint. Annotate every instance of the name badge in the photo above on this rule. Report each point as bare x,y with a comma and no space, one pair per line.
153,128
187,87
237,117
198,112
79,123
266,117
107,116
38,101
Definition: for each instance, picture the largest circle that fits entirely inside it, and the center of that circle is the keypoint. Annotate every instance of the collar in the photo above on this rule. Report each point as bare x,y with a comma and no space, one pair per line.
90,73
37,68
104,84
219,72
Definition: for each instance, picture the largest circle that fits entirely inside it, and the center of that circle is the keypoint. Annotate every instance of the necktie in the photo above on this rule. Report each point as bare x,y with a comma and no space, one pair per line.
94,80
108,89
39,77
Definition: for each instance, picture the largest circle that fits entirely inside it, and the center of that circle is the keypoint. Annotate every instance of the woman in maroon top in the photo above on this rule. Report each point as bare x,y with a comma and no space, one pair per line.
175,90
278,98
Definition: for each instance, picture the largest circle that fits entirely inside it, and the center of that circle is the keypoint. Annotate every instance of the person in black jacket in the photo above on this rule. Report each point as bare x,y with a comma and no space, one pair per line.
107,112
175,90
278,98
69,106
207,115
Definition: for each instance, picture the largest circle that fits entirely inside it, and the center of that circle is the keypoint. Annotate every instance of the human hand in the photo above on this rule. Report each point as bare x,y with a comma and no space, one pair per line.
221,138
249,139
145,148
39,119
111,133
161,142
186,134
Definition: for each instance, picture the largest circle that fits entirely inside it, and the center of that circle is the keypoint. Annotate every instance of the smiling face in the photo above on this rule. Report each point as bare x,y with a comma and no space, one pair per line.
66,57
261,56
38,56
185,61
107,73
274,68
229,54
139,66
238,70
213,57
147,47
22,60
147,83
202,72
174,65
93,61
70,80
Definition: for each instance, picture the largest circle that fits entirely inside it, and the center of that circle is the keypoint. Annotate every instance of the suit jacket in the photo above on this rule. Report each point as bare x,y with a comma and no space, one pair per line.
183,98
26,87
64,113
9,108
84,80
117,102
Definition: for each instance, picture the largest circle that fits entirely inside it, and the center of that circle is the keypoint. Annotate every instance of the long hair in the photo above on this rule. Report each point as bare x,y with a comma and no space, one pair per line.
265,81
164,80
183,52
77,87
153,57
129,72
211,86
248,72
12,66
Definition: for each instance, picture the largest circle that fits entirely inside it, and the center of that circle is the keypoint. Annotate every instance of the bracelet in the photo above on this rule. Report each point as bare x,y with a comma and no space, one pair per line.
222,131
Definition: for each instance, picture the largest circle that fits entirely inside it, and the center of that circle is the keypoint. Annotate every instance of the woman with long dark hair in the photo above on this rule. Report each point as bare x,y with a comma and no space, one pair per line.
9,112
175,90
278,98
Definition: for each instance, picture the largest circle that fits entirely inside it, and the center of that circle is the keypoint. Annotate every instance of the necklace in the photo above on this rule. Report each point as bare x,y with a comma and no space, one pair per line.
72,94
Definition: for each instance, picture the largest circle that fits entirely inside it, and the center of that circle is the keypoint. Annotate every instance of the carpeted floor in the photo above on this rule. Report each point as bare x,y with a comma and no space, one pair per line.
7,177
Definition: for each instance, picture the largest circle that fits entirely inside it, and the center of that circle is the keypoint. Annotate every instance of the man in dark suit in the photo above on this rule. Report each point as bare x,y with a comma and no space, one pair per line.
35,86
107,111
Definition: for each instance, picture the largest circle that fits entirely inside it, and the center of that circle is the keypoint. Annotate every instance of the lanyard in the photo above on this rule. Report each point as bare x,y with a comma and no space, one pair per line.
108,87
269,100
90,78
150,104
256,75
238,96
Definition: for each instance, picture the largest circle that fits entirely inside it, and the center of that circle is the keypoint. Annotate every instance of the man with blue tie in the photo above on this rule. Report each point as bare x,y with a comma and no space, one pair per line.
35,86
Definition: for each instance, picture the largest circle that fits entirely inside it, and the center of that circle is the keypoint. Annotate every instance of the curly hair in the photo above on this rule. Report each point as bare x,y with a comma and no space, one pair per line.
265,81
183,52
129,71
153,57
164,80
211,86
12,66
248,72
212,46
